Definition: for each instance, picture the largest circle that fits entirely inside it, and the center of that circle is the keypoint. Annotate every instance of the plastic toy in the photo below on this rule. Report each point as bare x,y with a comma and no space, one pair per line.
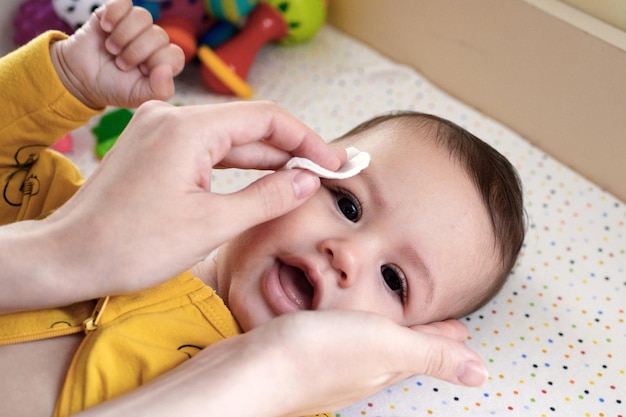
184,21
219,33
153,6
64,145
304,18
225,51
109,129
287,21
216,74
264,24
232,11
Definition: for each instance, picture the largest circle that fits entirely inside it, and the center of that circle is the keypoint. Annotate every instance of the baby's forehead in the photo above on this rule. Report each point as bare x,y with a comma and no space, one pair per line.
396,131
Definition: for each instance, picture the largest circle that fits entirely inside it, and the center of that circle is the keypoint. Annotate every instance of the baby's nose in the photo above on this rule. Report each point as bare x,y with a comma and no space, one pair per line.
346,259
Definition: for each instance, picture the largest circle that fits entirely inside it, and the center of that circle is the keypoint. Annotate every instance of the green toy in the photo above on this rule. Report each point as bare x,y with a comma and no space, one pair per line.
109,129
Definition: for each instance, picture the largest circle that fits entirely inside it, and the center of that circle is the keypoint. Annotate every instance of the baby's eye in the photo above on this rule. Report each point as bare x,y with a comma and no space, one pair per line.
348,205
394,280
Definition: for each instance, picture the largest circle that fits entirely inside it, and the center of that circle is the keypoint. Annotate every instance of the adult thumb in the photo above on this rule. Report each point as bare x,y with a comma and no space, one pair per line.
267,198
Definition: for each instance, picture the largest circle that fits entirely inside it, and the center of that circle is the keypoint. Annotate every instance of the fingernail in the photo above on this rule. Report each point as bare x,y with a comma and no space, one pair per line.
472,374
341,155
305,184
121,64
105,25
111,47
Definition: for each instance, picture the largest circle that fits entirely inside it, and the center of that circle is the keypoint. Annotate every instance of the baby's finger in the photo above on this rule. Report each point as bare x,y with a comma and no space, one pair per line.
170,55
161,84
112,13
131,26
142,47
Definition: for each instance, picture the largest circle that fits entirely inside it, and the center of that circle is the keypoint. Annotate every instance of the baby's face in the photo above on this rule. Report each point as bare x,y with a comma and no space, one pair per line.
408,238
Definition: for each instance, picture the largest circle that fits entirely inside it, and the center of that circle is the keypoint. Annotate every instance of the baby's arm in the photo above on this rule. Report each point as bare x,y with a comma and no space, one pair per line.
119,57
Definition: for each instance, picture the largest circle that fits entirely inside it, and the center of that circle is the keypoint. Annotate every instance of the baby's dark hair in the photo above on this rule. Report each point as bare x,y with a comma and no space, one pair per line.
493,175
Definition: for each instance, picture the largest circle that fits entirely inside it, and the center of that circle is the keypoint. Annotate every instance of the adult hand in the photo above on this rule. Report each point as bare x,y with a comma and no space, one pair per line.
147,213
304,363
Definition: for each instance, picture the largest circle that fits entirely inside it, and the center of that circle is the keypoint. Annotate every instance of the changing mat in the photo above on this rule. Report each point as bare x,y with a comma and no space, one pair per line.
554,339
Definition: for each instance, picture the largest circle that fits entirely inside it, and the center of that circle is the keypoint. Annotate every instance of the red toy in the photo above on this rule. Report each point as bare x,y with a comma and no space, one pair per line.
65,144
264,24
225,68
286,21
184,21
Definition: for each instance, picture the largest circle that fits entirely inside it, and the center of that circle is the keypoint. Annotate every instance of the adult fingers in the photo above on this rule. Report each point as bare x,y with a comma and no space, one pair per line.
237,124
452,329
366,352
450,360
256,155
267,198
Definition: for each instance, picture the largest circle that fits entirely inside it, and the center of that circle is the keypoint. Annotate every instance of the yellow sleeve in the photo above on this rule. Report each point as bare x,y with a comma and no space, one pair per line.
37,110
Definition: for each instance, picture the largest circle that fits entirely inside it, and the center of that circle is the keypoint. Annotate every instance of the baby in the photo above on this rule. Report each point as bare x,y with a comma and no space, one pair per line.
428,231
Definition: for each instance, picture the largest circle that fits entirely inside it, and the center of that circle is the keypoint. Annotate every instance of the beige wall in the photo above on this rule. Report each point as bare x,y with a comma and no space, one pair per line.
610,11
553,83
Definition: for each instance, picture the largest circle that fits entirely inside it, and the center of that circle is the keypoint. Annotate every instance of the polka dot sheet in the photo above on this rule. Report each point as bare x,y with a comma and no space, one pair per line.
554,339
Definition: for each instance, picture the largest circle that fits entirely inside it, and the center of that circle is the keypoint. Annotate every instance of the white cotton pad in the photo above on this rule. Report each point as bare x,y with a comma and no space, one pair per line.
357,161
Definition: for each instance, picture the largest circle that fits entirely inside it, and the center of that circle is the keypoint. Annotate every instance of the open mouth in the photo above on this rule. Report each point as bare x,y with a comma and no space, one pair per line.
296,286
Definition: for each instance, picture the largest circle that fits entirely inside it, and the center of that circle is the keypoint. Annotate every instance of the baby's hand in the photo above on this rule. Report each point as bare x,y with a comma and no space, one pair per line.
119,57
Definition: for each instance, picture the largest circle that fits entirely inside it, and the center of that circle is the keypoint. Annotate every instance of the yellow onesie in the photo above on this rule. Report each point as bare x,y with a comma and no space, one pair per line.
129,339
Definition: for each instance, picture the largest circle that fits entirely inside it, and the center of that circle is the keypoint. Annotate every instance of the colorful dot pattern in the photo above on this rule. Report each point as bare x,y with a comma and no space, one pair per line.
554,339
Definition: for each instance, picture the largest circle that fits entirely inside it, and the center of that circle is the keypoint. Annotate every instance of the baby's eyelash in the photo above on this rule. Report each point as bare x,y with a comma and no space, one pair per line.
352,209
403,291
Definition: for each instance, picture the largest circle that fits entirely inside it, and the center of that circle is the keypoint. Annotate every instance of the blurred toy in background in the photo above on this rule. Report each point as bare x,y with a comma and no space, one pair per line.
75,12
183,20
109,128
236,32
65,144
34,17
232,11
304,18
224,34
225,69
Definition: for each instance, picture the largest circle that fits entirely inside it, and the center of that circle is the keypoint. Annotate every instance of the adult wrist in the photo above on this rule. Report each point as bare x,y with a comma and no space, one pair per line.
33,266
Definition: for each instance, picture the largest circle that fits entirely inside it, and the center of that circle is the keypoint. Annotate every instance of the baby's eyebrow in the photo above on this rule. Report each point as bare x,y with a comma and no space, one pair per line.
375,190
